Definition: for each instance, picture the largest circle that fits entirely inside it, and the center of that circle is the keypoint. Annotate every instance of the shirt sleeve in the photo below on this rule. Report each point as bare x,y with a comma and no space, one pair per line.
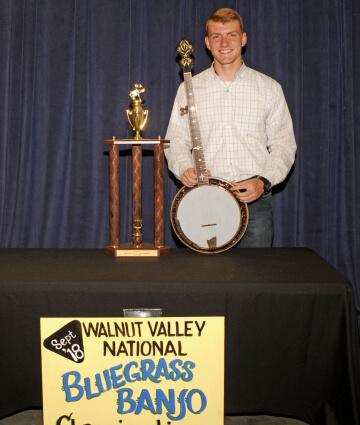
280,138
178,153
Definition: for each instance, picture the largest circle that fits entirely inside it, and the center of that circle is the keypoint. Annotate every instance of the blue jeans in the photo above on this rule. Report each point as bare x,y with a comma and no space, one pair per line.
259,233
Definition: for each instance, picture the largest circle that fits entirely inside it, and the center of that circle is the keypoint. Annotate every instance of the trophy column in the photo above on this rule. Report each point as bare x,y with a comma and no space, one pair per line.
114,195
159,195
136,207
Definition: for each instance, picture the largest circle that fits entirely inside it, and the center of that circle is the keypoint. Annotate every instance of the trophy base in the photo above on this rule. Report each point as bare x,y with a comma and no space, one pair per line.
129,250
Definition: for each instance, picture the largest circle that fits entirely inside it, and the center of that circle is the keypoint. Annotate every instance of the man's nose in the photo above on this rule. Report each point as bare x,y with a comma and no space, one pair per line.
224,41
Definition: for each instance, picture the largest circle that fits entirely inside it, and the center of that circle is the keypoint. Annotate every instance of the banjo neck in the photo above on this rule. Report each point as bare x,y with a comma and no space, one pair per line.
185,50
197,148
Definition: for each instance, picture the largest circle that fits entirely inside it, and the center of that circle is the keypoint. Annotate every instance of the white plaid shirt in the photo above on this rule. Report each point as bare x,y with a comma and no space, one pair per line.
245,126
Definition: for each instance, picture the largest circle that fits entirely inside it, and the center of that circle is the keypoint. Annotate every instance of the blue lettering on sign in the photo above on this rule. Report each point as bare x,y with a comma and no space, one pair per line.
174,404
118,376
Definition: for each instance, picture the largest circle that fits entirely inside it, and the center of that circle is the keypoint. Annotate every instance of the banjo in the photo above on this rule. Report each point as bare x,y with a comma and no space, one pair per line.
207,218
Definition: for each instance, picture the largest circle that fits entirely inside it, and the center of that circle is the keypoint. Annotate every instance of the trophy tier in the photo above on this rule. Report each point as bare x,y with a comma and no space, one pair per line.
136,248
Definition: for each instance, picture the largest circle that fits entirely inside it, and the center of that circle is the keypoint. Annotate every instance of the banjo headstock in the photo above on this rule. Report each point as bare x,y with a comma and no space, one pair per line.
185,50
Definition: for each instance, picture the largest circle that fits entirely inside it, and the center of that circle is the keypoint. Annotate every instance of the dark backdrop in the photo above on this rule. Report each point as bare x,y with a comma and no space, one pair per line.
66,69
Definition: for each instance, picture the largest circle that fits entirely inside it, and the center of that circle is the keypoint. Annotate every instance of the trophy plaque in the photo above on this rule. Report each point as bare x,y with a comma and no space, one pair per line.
138,118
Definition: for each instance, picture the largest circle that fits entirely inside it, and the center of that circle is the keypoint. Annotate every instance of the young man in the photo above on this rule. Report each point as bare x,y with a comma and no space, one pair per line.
245,125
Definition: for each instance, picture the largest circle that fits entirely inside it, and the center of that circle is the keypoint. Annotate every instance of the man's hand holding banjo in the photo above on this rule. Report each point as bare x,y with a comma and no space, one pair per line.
246,191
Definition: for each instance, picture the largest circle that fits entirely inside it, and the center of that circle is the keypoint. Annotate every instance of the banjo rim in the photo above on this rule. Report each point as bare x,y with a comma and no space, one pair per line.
243,209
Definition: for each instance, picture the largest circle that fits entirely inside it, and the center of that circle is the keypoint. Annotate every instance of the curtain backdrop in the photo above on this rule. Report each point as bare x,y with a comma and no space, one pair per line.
66,69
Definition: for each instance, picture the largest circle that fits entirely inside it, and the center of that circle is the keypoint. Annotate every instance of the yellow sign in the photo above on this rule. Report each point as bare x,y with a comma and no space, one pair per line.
133,371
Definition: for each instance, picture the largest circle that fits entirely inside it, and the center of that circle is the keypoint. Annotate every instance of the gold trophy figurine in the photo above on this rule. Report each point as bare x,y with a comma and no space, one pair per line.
137,116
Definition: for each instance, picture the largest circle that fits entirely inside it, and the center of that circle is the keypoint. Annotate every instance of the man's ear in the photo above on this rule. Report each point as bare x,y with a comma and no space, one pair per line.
244,39
207,42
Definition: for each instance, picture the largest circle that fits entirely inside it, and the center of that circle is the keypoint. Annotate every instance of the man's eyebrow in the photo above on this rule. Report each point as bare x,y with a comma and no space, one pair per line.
228,33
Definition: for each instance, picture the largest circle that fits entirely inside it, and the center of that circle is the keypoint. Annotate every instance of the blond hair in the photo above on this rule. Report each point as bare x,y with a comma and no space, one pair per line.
225,15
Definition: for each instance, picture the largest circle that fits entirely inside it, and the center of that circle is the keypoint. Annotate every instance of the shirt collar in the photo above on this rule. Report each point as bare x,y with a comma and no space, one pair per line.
239,73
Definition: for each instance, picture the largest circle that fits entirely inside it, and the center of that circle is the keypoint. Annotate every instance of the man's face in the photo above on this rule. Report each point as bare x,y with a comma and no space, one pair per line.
225,41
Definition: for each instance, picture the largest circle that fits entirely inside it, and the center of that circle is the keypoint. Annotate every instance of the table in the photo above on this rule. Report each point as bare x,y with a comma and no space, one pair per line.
292,345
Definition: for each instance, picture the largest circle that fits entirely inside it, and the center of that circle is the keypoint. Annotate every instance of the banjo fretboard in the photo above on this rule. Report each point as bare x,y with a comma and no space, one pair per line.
198,153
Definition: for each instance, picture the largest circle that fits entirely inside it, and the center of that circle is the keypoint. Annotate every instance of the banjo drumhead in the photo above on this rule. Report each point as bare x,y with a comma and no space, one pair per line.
208,218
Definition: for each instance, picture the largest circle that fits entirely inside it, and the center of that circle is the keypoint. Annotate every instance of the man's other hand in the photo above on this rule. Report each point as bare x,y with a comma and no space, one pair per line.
248,190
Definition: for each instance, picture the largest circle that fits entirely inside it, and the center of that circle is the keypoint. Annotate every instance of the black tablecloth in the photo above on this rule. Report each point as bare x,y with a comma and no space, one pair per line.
292,344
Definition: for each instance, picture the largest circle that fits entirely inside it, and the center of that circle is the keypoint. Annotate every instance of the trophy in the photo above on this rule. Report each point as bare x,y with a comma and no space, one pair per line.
138,119
137,116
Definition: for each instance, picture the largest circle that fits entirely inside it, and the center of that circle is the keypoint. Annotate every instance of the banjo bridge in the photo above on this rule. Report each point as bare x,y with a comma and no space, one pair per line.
208,225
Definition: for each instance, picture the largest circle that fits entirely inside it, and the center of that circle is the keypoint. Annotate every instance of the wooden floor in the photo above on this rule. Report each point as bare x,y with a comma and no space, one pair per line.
34,417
